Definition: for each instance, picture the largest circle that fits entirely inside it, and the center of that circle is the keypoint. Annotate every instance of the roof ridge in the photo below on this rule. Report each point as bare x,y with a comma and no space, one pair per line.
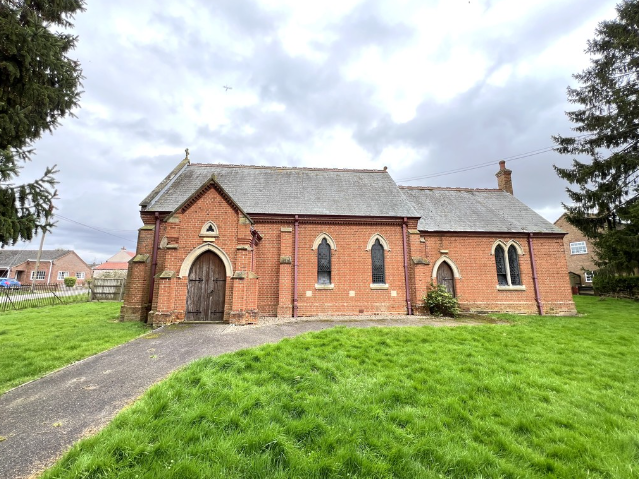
448,188
270,167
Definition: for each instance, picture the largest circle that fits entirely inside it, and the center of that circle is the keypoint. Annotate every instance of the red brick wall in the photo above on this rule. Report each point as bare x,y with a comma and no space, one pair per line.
263,281
351,269
477,287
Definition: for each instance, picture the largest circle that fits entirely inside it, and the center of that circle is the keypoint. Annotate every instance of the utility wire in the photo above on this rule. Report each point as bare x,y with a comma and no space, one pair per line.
520,156
93,228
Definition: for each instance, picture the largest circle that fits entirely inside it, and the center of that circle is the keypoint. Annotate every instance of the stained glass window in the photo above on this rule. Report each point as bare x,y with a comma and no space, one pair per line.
377,256
513,264
324,263
500,262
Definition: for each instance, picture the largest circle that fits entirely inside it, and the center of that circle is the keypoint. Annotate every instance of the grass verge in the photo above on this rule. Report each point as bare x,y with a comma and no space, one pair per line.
34,342
541,396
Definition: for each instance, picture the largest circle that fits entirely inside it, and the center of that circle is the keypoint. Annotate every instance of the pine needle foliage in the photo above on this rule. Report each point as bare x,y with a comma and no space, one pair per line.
39,85
605,198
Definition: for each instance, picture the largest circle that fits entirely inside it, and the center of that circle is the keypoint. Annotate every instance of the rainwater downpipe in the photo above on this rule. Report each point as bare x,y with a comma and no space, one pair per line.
154,258
297,225
534,273
408,305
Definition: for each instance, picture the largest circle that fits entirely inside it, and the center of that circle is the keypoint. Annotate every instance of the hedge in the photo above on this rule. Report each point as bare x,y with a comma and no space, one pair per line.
617,285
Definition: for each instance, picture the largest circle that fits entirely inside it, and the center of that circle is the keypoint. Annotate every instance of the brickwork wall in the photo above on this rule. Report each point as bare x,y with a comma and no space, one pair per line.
136,290
576,263
70,263
351,273
182,235
263,280
477,287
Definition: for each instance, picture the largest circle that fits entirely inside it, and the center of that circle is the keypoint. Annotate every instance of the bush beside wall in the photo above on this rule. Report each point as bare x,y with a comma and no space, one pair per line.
627,286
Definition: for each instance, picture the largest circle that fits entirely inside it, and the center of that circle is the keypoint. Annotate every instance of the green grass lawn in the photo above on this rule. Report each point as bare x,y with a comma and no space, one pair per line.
36,341
540,396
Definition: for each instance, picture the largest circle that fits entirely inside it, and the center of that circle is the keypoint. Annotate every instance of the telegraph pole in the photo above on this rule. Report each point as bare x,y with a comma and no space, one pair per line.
44,232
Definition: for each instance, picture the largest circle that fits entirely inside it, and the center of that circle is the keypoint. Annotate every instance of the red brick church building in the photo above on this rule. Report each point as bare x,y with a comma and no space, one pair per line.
233,243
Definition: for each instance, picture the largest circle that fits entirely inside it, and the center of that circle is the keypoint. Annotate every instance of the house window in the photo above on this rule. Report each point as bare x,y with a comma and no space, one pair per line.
377,257
62,275
578,247
324,263
507,264
588,276
39,277
80,275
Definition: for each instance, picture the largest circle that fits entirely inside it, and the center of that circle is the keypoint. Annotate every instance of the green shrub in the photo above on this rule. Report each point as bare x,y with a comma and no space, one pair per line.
627,286
440,302
69,281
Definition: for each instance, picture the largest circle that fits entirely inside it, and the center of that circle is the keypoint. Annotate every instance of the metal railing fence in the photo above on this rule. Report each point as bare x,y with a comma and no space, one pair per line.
33,296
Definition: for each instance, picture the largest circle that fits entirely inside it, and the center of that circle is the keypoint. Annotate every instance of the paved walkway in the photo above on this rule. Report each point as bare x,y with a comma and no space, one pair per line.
42,419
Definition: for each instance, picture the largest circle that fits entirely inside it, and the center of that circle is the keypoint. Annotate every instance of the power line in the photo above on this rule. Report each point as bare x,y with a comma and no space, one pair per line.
520,156
93,228
480,165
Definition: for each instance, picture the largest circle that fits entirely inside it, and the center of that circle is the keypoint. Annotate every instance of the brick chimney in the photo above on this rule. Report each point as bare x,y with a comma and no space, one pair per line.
504,181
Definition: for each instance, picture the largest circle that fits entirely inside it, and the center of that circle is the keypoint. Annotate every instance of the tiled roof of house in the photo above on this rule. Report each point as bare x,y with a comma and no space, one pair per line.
121,256
13,257
283,190
113,265
459,209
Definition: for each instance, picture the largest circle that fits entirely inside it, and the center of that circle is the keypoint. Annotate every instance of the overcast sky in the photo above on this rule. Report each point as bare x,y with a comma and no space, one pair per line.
423,87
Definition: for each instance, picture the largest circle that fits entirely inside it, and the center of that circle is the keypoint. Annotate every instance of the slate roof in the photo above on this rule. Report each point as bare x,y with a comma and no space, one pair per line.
13,257
284,190
459,209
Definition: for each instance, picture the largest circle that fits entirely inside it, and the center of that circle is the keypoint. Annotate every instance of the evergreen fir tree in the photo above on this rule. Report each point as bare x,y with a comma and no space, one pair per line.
39,84
605,204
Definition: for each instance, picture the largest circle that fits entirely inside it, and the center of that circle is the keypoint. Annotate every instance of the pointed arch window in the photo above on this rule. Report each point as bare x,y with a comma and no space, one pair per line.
500,262
507,264
513,266
377,258
324,263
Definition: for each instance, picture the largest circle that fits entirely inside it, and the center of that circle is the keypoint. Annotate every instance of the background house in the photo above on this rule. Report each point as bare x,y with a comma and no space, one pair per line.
580,254
55,265
114,267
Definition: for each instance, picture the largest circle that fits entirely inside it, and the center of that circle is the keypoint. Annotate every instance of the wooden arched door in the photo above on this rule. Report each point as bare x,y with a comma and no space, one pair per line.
206,289
445,276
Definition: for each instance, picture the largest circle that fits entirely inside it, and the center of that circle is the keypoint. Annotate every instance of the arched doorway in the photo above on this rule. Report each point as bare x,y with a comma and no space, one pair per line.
206,289
445,277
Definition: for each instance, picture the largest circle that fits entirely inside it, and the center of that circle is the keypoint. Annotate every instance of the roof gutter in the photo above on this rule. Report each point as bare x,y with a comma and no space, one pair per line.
534,273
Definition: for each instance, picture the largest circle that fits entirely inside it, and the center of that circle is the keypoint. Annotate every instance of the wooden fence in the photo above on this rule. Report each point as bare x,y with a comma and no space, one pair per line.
107,289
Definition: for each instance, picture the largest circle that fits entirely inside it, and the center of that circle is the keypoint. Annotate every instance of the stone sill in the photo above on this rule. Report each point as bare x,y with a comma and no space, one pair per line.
379,286
511,288
325,286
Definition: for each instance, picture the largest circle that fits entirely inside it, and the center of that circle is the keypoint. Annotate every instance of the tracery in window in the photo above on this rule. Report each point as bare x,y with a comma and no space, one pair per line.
507,264
377,258
324,263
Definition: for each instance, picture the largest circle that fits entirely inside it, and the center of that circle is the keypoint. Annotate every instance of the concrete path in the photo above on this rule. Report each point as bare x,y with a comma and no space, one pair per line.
42,419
